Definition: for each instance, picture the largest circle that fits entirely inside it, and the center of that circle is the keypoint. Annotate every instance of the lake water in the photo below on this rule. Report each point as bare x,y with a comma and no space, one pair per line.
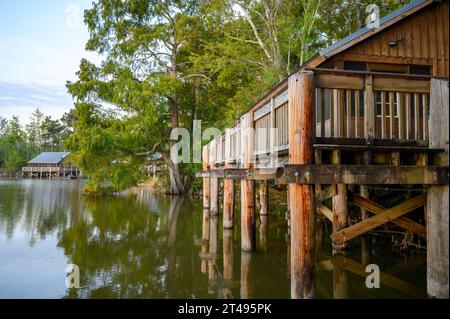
144,245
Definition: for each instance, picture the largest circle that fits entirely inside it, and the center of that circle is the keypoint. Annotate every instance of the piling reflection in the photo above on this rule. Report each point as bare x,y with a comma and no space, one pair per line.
205,241
227,293
213,270
263,233
245,275
143,245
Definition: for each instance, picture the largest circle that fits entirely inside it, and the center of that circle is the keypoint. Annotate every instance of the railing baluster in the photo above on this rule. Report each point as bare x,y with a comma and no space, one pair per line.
400,105
332,103
349,112
341,111
383,115
357,113
425,116
322,112
391,114
408,115
416,116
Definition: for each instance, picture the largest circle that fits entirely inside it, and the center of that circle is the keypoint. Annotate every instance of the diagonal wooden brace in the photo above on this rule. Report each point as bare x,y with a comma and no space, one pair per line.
375,208
380,219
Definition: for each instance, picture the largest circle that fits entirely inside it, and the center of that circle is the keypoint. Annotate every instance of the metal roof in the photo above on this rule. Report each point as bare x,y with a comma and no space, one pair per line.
325,52
49,157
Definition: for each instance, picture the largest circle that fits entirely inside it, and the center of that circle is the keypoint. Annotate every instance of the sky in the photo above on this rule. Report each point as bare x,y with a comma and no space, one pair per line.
41,45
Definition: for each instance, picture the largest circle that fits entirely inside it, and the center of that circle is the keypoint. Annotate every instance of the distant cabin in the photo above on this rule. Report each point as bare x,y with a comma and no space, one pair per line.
51,165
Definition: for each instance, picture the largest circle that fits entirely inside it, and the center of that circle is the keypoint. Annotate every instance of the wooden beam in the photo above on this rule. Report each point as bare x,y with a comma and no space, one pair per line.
375,208
326,193
365,174
401,85
325,211
380,219
348,82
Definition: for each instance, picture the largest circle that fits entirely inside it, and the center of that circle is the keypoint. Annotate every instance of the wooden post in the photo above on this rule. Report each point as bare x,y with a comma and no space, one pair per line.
247,187
301,197
369,109
437,200
264,197
206,180
366,240
228,187
340,209
214,181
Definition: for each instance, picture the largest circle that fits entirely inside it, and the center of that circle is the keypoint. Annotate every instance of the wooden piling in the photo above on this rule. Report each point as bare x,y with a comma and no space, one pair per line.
214,181
301,197
437,207
228,188
247,186
264,197
206,180
340,209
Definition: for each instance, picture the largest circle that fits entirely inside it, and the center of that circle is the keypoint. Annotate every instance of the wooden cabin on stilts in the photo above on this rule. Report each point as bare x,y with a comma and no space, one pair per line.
365,117
51,165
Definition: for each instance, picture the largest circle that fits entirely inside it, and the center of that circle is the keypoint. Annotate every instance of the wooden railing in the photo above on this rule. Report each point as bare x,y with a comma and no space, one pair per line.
371,105
348,105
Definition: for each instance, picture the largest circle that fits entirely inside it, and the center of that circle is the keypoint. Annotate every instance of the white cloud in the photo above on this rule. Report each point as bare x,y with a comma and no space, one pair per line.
22,99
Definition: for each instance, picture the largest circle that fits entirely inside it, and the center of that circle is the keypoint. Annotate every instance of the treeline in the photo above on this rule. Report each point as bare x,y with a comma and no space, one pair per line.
167,63
19,144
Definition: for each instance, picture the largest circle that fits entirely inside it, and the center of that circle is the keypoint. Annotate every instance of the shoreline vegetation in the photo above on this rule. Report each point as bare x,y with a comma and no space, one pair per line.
165,65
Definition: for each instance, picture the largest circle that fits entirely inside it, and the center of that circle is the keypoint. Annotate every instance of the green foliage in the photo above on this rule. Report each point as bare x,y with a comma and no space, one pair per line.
167,63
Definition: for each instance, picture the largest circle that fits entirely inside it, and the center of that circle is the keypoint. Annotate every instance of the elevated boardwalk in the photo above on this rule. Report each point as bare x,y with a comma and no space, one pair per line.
333,133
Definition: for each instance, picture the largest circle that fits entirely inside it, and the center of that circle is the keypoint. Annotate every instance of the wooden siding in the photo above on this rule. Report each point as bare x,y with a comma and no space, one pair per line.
425,42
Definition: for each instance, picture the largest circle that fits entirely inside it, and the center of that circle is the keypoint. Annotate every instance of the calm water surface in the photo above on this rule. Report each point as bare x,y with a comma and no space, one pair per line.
143,245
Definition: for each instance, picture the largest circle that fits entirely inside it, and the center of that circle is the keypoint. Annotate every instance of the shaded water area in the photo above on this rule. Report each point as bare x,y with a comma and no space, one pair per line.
144,245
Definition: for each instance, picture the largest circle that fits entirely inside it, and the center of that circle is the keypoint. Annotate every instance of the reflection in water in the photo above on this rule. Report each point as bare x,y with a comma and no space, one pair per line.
213,270
263,233
143,245
227,262
245,275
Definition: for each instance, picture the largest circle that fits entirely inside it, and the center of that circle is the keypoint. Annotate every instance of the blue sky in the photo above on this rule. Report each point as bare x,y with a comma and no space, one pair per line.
41,45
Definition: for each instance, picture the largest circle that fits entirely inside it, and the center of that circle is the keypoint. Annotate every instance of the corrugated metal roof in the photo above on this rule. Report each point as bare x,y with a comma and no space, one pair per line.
49,157
362,31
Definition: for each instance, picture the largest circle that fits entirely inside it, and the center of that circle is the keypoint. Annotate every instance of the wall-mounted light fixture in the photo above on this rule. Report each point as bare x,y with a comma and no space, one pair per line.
393,43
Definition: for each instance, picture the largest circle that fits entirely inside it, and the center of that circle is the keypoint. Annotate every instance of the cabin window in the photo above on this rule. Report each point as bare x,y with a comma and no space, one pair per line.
354,66
420,70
